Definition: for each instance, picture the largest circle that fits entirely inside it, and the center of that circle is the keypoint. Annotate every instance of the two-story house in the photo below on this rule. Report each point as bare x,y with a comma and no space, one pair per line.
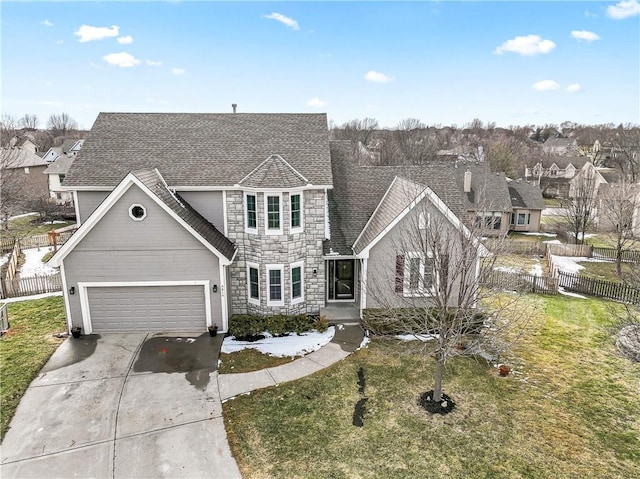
553,175
186,219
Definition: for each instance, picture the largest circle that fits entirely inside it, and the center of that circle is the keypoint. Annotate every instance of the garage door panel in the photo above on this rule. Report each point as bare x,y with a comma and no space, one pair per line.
147,308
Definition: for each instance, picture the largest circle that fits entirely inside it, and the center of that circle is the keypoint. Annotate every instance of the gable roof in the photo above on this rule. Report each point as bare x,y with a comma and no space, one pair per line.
60,166
489,190
274,172
200,149
358,190
525,195
152,183
563,162
20,158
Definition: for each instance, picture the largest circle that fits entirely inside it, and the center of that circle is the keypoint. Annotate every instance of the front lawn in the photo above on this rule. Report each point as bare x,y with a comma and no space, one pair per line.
26,348
570,410
249,360
606,270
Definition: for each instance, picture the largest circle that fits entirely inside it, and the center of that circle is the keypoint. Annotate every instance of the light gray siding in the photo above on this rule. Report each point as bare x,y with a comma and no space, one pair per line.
209,204
158,248
381,265
88,201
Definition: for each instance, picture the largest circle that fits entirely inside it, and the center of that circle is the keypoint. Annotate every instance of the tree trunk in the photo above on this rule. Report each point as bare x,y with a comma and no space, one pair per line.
437,386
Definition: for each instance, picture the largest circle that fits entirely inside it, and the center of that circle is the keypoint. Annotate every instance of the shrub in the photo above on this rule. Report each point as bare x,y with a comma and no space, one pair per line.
393,321
278,324
241,325
321,324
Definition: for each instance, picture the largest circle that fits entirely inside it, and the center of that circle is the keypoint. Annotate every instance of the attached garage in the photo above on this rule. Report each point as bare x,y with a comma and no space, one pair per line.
138,307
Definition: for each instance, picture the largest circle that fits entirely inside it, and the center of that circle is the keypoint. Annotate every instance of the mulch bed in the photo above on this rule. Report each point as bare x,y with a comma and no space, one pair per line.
444,406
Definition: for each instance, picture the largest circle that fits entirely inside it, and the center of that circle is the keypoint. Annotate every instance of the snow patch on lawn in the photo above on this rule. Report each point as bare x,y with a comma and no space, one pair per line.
550,235
287,346
553,242
4,259
569,264
506,269
33,265
536,270
417,337
561,290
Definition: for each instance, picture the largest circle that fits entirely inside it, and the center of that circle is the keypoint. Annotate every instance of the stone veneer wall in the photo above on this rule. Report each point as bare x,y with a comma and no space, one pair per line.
278,249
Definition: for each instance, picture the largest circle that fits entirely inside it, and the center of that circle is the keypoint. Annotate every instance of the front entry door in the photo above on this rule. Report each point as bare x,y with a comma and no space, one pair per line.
341,279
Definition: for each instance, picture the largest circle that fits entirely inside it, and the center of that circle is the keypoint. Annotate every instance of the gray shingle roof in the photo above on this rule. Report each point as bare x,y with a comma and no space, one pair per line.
200,149
563,161
60,166
357,191
399,195
489,190
154,181
274,172
19,158
525,195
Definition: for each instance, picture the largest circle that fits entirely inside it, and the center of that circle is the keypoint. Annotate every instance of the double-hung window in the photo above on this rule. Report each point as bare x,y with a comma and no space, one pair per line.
273,213
296,212
415,275
253,283
275,280
297,282
251,216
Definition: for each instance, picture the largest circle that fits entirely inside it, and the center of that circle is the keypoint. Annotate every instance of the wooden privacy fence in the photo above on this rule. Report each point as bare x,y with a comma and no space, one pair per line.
12,265
515,247
11,288
521,282
569,249
4,318
599,287
609,254
37,241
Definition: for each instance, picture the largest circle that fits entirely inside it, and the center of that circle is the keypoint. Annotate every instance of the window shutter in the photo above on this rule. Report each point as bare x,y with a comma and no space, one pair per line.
399,273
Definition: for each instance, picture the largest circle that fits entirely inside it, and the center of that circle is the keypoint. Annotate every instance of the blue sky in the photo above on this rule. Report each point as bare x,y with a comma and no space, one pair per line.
443,62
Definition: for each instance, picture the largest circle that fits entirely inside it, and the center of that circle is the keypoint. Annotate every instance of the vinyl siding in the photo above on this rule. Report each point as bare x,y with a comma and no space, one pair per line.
155,249
88,201
209,204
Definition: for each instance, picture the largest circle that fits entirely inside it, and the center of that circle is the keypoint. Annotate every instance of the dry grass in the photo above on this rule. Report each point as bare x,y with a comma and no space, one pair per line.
569,410
249,360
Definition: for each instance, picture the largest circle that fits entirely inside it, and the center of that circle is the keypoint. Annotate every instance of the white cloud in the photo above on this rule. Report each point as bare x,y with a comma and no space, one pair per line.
526,45
585,35
153,63
88,33
623,10
377,77
316,102
290,22
178,71
574,88
123,59
125,40
588,14
46,23
545,85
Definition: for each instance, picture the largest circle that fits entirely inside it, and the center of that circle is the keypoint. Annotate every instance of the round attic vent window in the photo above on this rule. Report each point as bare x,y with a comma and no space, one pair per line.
137,212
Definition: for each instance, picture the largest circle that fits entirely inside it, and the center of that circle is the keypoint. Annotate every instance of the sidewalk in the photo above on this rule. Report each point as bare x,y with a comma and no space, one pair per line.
346,340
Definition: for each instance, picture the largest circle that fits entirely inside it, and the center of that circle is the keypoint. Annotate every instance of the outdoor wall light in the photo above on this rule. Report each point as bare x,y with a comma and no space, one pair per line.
315,273
215,288
72,290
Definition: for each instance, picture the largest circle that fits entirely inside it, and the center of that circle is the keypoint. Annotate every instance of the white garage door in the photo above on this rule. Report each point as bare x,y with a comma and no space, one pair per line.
147,308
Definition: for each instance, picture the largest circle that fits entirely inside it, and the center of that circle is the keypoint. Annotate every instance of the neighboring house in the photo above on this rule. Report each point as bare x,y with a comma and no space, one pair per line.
56,173
485,196
186,219
591,178
629,198
527,205
24,169
560,146
553,175
25,142
69,148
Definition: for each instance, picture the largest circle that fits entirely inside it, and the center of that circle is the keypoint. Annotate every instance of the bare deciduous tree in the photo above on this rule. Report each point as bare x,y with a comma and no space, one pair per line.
435,283
626,150
61,124
618,204
29,121
580,208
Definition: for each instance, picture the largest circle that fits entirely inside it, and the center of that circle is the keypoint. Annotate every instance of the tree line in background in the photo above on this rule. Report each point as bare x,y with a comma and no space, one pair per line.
57,128
511,149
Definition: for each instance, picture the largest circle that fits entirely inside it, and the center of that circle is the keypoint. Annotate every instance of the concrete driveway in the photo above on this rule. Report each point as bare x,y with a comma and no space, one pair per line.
120,406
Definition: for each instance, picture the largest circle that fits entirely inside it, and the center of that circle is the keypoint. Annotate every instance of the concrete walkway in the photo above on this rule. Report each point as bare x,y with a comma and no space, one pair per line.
111,407
346,340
